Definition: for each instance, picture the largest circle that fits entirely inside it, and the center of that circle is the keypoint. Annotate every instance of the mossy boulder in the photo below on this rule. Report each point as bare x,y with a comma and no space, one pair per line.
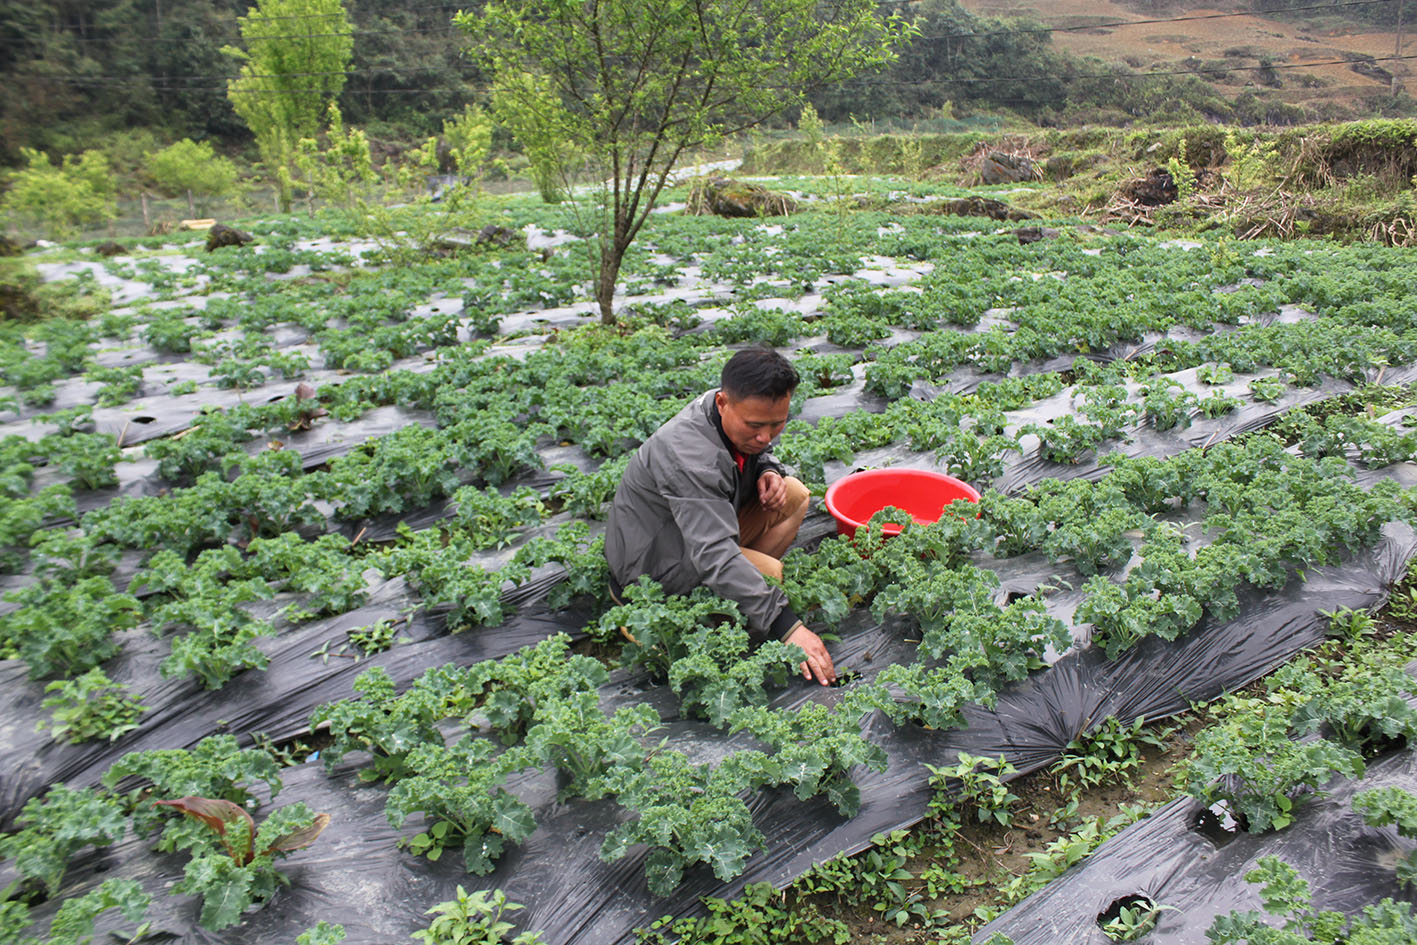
222,235
726,197
999,167
967,207
1156,189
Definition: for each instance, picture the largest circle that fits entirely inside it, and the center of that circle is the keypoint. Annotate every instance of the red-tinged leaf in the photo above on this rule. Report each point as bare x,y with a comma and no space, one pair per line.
214,812
299,839
218,814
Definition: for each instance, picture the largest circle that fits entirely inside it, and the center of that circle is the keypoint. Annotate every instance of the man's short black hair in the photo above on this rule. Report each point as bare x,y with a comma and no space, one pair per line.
758,372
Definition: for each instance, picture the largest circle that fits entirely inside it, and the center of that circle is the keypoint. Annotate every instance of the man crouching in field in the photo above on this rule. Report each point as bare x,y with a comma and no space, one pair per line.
703,503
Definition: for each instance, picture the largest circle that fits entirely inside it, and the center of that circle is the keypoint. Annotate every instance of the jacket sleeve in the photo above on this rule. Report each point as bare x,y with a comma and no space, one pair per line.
769,463
710,529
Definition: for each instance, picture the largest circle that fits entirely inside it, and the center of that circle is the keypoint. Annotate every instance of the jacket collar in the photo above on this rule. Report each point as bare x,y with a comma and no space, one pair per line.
717,420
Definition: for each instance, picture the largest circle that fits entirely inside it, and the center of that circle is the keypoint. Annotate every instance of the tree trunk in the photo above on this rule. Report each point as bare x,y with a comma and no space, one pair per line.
610,259
147,220
191,204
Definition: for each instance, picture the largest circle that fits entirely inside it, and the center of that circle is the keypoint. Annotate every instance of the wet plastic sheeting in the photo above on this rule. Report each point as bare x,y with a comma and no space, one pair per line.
277,702
1028,469
140,422
1347,864
329,439
354,874
1031,724
357,876
1025,469
570,893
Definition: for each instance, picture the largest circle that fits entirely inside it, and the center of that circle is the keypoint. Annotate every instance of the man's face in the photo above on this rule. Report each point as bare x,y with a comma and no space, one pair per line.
752,423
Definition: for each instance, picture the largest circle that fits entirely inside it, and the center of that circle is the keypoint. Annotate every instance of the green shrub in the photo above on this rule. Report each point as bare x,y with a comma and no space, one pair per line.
56,201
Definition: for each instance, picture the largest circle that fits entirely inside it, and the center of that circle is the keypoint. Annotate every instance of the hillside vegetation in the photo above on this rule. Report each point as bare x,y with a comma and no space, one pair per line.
126,75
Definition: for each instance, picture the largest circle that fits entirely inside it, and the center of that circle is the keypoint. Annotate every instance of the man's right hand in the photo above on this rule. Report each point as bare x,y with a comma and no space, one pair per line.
819,661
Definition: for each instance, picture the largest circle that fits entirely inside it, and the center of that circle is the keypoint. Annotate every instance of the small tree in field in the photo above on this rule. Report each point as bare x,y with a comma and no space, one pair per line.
522,104
56,201
192,168
633,84
292,68
405,229
343,169
468,138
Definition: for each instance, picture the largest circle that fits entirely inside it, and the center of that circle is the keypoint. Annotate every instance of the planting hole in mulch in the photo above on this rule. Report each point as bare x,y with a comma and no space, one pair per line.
1140,909
846,677
1218,823
1377,745
300,748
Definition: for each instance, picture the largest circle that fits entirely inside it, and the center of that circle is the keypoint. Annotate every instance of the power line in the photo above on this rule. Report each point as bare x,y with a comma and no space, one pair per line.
1291,97
1141,75
310,91
79,79
149,41
448,27
1265,14
326,16
159,82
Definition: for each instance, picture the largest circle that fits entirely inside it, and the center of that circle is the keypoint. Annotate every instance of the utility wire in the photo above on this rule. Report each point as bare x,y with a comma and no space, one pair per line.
150,41
326,16
1264,14
1142,75
158,81
447,27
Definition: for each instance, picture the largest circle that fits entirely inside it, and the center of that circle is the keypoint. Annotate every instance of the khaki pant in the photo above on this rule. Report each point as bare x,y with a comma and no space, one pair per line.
754,522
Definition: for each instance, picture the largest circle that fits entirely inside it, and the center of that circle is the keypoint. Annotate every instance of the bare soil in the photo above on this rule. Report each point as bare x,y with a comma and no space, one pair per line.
1240,41
991,855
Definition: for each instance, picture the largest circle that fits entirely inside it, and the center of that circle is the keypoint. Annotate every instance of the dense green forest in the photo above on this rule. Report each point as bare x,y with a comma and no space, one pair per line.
75,70
85,73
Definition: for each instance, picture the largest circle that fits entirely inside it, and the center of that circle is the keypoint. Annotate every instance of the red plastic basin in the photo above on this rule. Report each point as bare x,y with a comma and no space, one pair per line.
921,492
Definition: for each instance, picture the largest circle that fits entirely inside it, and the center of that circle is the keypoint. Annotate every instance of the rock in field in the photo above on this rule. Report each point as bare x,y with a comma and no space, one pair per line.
222,235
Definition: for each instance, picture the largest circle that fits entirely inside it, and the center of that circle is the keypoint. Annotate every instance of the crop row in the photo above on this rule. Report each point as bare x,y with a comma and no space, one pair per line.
1065,296
232,860
485,408
541,706
242,524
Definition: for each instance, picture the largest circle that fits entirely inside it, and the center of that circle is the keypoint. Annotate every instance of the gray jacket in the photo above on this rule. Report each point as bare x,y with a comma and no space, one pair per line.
675,518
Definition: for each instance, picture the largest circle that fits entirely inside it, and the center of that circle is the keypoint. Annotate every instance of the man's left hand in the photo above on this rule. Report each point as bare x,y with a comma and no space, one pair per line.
818,662
772,491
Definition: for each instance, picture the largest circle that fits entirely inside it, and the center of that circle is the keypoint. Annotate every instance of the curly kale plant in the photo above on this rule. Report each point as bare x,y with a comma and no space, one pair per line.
232,865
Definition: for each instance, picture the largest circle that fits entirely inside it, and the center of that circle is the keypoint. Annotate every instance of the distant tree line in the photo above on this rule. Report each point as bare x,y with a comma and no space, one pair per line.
74,70
77,71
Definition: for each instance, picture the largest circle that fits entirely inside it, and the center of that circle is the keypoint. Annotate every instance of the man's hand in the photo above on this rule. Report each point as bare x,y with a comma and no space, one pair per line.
772,491
819,661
